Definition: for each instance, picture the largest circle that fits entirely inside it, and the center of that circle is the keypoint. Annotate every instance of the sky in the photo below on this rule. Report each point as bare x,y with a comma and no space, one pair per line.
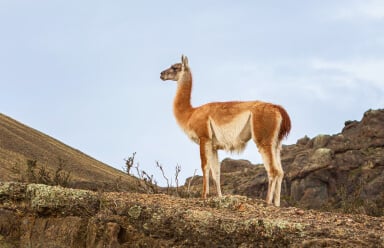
87,72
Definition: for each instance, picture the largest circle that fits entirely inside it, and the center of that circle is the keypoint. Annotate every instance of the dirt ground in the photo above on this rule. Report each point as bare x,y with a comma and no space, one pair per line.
44,216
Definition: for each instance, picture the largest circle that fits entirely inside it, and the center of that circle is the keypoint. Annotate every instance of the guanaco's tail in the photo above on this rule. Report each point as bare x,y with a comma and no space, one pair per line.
285,126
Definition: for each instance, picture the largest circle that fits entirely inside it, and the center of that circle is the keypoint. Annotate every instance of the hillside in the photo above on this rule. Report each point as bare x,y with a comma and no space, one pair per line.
44,216
20,143
344,171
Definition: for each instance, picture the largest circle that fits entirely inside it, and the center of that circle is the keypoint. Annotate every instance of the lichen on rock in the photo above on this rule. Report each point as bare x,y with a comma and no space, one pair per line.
227,201
135,211
43,197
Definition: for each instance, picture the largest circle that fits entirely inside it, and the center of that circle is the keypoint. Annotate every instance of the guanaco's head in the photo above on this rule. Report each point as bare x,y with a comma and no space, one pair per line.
176,71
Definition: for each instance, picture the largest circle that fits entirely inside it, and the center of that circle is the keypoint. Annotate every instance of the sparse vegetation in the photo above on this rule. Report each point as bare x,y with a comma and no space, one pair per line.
158,165
30,170
62,177
351,202
146,182
32,173
129,162
177,172
150,185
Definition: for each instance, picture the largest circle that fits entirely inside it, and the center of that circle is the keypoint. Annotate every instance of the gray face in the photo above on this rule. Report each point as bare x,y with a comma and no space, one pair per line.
172,73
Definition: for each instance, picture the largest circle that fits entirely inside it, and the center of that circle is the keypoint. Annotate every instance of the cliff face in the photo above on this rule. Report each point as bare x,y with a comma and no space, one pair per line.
37,215
343,171
340,169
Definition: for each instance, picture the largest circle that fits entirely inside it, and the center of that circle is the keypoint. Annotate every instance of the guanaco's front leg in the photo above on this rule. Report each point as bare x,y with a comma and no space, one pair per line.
204,166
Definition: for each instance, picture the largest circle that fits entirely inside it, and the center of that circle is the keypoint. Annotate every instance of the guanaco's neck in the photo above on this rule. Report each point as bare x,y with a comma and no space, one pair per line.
182,107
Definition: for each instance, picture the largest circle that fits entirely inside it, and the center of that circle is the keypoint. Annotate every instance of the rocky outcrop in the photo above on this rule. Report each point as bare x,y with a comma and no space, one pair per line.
343,171
36,215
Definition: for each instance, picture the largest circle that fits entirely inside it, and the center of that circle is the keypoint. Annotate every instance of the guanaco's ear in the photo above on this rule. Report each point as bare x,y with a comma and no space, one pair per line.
184,61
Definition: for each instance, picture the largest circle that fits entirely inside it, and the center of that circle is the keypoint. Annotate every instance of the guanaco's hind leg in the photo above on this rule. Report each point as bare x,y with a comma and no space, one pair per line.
215,169
267,156
265,129
204,167
280,176
274,172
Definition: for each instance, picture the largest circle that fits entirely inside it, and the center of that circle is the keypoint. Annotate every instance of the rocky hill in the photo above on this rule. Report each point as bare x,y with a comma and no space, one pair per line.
29,155
36,215
344,171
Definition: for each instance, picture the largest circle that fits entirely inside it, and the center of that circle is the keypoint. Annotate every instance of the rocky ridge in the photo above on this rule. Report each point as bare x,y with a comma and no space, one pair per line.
34,215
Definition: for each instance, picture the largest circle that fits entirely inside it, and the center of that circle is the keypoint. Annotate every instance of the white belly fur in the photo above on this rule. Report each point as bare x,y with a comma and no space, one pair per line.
232,136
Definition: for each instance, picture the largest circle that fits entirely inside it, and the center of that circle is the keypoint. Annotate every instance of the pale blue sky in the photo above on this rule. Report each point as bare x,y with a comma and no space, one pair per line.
87,72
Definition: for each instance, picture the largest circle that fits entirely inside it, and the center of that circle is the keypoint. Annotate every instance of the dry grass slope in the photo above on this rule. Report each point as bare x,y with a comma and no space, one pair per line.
19,143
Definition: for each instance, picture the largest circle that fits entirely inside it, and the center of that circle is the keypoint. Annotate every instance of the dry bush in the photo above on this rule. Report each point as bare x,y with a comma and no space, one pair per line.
32,173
